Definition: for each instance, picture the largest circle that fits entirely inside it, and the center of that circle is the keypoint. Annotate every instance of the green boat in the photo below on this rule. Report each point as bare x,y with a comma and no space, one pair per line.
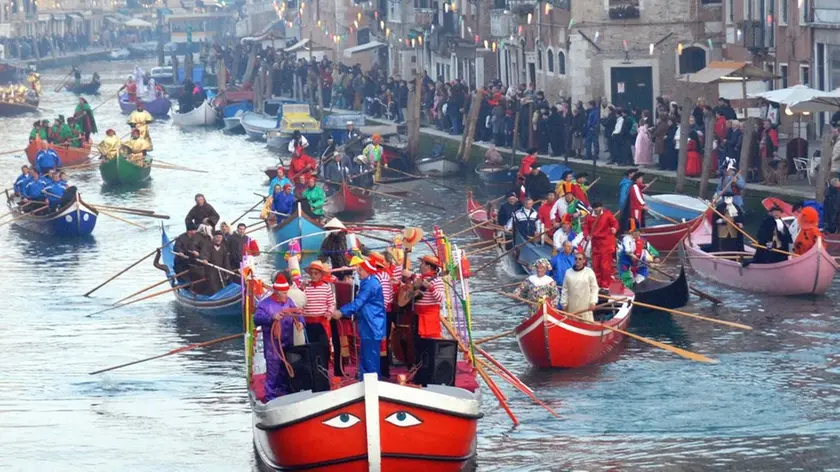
121,171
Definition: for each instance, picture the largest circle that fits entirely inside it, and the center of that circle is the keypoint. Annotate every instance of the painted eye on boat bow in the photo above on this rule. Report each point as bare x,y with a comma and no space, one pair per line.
403,419
342,421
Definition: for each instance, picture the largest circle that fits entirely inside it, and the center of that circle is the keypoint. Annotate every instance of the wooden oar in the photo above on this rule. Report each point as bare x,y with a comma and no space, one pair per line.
150,287
128,268
423,177
469,213
755,242
107,100
663,217
388,195
681,352
23,215
682,313
480,225
483,242
589,187
132,212
263,199
15,151
495,288
156,294
208,264
168,167
119,218
60,85
500,256
495,336
136,210
174,351
696,291
180,167
480,250
396,188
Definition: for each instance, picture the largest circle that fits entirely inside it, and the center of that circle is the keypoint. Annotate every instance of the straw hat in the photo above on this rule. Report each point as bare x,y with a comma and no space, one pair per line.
335,223
378,259
319,266
431,260
412,236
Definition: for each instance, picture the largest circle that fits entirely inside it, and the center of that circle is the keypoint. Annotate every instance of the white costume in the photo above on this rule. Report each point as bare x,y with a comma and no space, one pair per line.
580,291
303,143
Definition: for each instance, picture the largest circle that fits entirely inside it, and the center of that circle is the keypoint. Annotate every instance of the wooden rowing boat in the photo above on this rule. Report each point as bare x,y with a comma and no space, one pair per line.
479,215
121,171
69,156
89,88
357,201
548,339
225,302
832,240
810,273
75,219
203,115
666,237
299,226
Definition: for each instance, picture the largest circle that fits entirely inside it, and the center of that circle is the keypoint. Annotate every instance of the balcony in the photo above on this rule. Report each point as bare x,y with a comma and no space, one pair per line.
424,17
624,11
756,37
502,23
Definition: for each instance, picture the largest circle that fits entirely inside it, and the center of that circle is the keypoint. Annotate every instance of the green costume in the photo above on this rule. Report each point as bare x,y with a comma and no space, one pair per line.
577,207
316,197
84,115
65,134
78,132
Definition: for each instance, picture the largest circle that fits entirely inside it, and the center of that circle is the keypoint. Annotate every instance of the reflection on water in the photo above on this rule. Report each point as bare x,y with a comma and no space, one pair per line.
771,403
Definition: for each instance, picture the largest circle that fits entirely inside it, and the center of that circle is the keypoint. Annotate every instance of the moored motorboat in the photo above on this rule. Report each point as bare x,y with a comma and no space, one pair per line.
225,302
497,175
158,108
233,124
479,216
831,240
203,115
295,117
675,206
256,125
437,166
74,219
69,156
550,339
810,273
121,171
299,226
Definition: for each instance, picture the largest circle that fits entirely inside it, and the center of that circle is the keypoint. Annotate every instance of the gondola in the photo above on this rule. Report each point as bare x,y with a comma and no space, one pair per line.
675,206
121,170
478,216
671,294
87,88
225,302
550,340
158,108
18,108
75,219
69,156
497,175
202,115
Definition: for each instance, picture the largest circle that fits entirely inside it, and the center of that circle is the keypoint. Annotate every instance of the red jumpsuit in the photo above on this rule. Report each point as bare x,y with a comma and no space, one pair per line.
599,229
637,204
580,194
527,162
297,166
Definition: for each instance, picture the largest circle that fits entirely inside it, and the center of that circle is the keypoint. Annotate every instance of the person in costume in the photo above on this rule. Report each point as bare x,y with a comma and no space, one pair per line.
635,206
47,159
189,244
217,254
298,140
569,205
565,233
368,308
241,245
527,162
544,214
274,310
525,221
280,179
809,232
320,303
65,133
580,190
580,289
84,116
109,148
431,292
139,119
537,184
601,229
373,156
636,255
283,202
130,88
301,165
78,132
540,286
561,262
624,188
384,266
725,237
39,132
772,234
202,213
735,184
507,209
136,147
334,248
315,196
337,169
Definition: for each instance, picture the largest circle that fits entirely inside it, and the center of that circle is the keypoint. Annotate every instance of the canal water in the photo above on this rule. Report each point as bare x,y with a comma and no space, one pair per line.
771,403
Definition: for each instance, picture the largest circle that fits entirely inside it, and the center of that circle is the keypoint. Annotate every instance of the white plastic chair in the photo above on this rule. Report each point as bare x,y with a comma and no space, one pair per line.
802,167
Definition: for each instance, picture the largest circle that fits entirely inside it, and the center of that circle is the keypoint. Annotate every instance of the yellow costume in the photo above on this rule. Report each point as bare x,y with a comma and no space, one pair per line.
34,80
136,147
110,147
140,120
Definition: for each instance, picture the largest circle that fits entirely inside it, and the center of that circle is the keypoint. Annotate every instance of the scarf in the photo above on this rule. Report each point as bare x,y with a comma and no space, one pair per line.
538,281
325,279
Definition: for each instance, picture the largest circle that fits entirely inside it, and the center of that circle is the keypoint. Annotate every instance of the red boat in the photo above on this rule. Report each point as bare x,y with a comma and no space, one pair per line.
832,240
479,215
357,200
548,339
364,425
666,237
69,156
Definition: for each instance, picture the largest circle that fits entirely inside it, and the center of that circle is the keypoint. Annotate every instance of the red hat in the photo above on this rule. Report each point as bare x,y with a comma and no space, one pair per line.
280,284
311,178
369,266
378,260
287,186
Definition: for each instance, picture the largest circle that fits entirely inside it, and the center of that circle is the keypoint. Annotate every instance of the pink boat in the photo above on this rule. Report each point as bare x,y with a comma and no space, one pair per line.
810,273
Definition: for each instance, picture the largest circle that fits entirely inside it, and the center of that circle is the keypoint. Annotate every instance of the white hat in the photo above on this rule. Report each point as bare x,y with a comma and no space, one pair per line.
349,123
334,223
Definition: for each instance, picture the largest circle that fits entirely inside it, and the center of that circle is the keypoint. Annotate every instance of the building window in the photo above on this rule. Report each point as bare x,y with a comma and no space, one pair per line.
561,63
783,12
711,2
550,58
730,11
804,12
421,4
834,67
771,84
363,36
539,59
805,75
500,5
783,71
692,59
623,3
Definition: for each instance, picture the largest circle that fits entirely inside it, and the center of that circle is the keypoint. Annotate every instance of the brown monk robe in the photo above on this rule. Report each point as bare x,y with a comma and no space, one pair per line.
218,255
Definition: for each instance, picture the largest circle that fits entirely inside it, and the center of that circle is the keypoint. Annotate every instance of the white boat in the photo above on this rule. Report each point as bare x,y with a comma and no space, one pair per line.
438,166
233,124
258,124
118,54
204,115
676,206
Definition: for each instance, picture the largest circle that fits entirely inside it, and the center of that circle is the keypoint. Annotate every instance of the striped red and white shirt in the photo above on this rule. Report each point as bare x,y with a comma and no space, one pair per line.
320,301
387,288
432,296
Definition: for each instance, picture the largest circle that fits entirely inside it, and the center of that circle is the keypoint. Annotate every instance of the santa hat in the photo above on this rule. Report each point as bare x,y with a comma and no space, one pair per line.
280,284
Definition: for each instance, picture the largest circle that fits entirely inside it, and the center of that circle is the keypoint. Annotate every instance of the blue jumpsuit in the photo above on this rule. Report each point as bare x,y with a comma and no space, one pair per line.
369,308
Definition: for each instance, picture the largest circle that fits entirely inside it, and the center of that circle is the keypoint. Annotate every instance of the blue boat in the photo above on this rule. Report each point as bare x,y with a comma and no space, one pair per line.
497,176
225,302
674,206
74,220
555,171
299,225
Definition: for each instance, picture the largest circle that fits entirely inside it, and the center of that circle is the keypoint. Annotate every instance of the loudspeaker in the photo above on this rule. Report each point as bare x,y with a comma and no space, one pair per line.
309,363
438,361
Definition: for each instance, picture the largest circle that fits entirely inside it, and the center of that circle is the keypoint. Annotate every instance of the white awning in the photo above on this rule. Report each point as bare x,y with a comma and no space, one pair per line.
59,16
363,47
297,46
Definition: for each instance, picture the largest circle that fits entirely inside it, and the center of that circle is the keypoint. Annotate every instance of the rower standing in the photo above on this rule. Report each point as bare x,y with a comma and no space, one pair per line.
600,230
189,244
635,258
202,213
772,234
320,303
109,148
217,254
725,237
580,289
273,311
636,205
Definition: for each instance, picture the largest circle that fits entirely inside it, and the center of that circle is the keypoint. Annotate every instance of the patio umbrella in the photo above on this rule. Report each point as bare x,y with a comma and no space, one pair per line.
786,96
824,101
138,23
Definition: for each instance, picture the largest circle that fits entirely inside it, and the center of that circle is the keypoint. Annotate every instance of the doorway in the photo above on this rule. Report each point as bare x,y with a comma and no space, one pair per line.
632,87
